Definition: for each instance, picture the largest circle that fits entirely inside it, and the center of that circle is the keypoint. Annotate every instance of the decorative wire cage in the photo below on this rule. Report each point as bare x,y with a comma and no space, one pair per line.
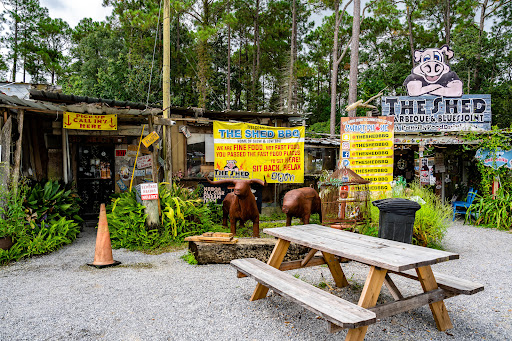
345,198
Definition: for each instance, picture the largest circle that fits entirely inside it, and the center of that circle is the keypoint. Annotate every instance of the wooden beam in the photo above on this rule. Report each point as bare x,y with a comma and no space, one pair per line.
409,303
368,299
393,289
64,155
275,260
336,271
17,153
428,283
5,141
308,257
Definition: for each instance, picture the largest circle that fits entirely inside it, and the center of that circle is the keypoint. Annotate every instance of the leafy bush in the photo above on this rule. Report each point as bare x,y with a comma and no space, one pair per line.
492,212
431,222
50,201
183,214
37,229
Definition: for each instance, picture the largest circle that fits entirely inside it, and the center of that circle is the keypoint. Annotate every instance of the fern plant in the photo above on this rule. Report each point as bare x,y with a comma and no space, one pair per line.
183,214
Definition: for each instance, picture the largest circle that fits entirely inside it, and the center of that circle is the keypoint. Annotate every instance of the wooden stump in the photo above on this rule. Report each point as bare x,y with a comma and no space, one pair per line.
259,248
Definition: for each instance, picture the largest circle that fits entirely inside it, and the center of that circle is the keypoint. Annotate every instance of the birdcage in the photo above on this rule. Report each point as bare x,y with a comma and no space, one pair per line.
345,199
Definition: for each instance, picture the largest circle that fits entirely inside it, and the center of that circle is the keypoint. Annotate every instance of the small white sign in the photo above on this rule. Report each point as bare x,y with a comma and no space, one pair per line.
149,191
144,161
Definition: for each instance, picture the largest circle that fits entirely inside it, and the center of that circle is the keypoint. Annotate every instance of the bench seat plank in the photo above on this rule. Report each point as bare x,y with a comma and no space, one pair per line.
332,308
448,282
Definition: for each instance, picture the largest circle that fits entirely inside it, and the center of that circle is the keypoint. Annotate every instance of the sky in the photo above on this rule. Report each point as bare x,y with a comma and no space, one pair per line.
72,11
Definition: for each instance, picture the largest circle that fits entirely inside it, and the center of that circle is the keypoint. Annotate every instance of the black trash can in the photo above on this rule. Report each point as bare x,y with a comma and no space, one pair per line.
396,218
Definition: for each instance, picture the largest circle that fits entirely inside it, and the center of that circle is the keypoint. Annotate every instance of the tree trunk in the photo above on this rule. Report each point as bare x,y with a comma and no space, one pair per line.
411,39
476,79
255,59
447,23
15,47
259,248
335,64
354,57
291,76
228,77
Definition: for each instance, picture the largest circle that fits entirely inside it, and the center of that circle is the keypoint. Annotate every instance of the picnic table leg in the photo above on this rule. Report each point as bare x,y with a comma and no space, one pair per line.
336,271
428,283
368,299
275,260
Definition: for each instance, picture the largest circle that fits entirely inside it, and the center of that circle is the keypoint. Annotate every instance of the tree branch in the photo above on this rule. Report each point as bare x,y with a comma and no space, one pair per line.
338,61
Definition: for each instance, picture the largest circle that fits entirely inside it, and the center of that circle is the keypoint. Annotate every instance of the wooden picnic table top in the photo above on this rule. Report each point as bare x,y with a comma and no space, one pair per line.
383,253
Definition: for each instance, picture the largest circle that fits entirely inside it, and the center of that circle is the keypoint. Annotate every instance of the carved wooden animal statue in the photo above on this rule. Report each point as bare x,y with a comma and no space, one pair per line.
301,203
240,205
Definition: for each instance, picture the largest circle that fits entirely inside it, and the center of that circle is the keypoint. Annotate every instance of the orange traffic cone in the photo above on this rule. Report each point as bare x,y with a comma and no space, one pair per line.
103,253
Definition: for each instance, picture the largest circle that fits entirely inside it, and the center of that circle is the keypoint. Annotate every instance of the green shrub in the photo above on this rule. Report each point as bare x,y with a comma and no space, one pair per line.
183,214
35,230
50,201
492,212
431,222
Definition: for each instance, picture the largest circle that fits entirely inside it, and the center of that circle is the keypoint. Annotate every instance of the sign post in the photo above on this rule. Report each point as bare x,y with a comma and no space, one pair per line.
150,199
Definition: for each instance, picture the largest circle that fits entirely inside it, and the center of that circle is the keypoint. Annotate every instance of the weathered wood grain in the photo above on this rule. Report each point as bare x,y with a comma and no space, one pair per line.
438,309
322,303
368,299
448,282
373,251
409,303
336,271
275,260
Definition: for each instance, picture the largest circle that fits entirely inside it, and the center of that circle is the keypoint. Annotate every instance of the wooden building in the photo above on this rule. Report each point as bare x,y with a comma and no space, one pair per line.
100,162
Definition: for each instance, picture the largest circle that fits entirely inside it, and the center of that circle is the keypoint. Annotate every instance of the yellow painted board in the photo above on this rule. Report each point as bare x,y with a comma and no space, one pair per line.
371,162
89,122
150,139
371,144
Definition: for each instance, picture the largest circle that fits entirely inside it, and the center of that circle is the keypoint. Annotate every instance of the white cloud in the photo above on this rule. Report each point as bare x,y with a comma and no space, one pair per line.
74,11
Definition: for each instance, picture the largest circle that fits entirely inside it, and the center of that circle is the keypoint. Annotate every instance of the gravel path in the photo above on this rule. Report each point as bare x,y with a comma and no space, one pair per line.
58,297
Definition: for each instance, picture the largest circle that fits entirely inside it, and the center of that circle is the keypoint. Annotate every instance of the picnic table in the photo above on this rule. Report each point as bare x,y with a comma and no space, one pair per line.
381,255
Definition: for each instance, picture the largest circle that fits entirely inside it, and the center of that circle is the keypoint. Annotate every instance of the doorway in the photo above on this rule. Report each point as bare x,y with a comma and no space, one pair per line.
95,176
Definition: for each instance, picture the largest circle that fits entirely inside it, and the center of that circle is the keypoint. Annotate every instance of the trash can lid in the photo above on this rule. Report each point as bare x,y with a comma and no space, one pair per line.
397,206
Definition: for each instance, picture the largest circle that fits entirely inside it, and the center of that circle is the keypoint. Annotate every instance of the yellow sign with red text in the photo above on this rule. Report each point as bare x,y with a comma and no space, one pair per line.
253,151
89,122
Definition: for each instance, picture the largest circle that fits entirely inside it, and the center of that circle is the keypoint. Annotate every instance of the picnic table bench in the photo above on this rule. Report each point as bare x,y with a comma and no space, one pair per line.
383,256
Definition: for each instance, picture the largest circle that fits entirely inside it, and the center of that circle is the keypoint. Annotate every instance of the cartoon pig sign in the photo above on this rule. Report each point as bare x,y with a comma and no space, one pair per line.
433,76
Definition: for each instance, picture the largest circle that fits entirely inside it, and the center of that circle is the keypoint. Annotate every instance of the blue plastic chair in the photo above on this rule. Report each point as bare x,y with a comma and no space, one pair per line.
461,207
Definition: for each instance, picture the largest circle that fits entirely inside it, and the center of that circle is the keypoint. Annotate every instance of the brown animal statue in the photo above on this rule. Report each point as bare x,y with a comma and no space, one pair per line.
240,205
301,203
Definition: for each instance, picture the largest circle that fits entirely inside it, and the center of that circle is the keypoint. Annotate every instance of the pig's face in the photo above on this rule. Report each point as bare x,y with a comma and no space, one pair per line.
432,63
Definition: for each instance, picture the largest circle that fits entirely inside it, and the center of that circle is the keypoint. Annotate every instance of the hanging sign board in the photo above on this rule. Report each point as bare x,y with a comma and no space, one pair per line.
252,151
438,114
144,161
367,149
496,159
89,122
436,102
150,139
149,191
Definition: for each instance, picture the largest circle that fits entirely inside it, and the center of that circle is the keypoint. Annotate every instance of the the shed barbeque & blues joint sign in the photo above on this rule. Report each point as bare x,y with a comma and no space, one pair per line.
436,102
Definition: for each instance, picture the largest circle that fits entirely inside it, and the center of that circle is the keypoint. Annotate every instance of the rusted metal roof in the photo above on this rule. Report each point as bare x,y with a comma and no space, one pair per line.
14,102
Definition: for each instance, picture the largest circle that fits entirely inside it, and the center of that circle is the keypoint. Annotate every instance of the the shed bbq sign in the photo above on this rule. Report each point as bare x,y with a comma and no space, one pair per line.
435,102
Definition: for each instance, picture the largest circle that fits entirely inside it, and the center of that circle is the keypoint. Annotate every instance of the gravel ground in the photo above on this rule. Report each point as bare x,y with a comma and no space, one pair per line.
148,297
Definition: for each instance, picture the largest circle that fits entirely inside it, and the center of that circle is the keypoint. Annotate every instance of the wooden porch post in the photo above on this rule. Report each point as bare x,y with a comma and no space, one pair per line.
17,153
